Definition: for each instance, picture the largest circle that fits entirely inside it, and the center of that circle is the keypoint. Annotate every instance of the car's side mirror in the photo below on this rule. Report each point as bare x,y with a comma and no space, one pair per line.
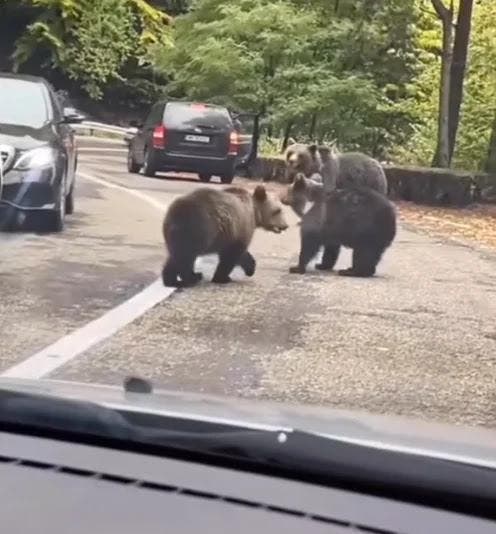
71,116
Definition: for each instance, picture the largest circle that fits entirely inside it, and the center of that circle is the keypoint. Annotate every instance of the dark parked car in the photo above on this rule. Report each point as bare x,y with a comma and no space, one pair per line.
189,137
38,155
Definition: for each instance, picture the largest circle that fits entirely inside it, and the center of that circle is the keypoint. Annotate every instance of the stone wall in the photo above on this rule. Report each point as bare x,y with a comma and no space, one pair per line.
417,184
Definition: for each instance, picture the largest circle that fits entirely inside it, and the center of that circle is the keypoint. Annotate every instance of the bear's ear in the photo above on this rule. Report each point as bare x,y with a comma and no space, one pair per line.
289,153
260,193
299,183
312,148
334,148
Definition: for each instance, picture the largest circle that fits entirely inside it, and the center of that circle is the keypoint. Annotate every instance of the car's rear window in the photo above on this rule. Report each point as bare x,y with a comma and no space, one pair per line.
22,103
185,115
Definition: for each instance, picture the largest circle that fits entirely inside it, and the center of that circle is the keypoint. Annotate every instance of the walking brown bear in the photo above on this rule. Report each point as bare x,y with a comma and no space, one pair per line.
213,221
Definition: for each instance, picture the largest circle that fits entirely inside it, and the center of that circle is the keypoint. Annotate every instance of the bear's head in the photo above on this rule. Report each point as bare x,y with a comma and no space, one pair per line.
269,213
301,191
303,159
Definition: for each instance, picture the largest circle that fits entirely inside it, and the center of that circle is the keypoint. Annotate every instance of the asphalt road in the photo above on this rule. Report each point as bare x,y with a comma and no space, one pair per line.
419,339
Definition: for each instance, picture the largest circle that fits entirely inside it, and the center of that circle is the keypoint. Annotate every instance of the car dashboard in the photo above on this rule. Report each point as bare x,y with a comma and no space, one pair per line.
57,487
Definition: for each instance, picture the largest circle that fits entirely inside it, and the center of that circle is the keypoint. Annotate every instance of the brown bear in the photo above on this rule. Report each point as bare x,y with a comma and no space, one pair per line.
356,217
213,221
301,158
302,191
347,169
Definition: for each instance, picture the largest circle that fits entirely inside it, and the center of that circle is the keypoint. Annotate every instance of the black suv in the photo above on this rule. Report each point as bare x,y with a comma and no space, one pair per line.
189,137
38,154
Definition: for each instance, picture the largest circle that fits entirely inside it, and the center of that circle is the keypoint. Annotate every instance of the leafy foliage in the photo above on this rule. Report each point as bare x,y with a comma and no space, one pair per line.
479,107
479,104
92,41
301,66
363,72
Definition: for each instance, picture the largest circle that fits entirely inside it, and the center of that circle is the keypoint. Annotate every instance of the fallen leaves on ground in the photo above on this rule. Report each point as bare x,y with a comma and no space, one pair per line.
476,223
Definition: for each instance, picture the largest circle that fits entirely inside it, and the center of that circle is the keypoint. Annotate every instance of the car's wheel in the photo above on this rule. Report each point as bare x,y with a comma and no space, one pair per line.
69,201
227,177
205,177
132,166
149,166
53,220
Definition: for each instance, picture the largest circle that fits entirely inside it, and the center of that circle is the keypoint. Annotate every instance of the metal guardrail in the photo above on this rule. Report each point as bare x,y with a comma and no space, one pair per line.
100,126
92,126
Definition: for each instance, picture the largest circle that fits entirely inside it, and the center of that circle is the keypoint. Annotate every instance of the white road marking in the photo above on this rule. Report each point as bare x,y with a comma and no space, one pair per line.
67,348
162,206
77,342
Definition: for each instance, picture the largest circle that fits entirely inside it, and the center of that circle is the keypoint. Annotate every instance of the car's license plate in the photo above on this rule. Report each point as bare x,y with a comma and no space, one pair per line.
198,138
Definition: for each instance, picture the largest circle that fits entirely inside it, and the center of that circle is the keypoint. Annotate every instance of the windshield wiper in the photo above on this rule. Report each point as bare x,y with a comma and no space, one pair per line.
289,454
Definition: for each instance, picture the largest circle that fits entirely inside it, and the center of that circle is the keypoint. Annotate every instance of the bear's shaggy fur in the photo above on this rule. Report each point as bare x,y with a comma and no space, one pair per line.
213,221
357,217
348,169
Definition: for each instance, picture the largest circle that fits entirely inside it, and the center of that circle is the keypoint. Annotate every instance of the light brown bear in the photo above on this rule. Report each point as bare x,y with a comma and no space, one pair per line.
304,159
213,221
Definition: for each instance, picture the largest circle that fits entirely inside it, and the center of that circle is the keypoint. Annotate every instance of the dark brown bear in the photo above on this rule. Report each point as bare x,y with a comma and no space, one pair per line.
213,221
357,217
348,169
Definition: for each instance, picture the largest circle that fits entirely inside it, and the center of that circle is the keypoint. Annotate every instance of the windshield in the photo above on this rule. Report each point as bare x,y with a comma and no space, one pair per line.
188,115
288,201
22,103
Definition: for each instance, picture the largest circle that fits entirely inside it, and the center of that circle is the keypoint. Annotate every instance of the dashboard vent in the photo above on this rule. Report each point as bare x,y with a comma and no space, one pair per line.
357,528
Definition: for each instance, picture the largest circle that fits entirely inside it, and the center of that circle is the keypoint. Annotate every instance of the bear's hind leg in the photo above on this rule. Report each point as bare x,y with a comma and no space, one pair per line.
186,268
228,259
169,274
365,260
329,258
247,263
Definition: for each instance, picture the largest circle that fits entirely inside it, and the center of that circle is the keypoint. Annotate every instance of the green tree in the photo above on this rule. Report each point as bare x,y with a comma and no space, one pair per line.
490,162
374,45
237,53
90,41
479,101
479,105
308,71
458,68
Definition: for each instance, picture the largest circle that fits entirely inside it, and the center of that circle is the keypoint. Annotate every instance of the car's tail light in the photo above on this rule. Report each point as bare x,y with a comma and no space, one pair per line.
234,144
159,137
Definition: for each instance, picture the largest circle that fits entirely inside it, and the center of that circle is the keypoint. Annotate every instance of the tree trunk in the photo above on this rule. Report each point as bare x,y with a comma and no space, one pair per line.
313,125
287,134
441,158
255,142
458,67
490,163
